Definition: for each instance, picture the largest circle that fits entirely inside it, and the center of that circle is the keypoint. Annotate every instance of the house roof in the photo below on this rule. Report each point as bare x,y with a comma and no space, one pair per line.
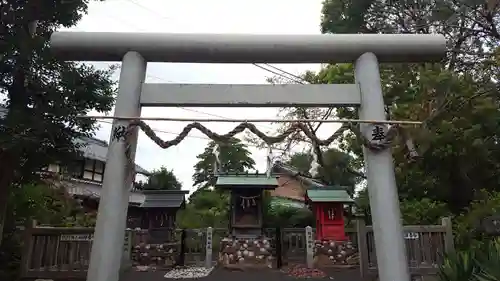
164,198
97,149
328,194
279,167
314,189
92,148
247,181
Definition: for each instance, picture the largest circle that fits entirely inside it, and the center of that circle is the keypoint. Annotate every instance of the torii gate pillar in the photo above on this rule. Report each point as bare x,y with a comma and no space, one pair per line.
134,49
381,181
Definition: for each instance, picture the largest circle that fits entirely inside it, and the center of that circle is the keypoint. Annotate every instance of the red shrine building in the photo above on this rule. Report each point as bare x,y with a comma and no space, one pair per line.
327,205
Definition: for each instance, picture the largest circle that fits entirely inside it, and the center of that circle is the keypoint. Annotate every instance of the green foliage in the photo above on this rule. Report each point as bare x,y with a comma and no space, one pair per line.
423,211
205,208
284,216
468,234
161,179
413,211
48,205
458,99
234,157
459,266
44,96
479,264
489,261
339,168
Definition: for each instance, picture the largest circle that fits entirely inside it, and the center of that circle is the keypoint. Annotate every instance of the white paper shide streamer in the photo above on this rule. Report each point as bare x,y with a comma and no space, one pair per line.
314,171
216,153
269,161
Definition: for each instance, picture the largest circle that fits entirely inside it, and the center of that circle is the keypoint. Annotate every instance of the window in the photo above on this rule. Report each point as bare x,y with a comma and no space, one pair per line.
89,169
93,170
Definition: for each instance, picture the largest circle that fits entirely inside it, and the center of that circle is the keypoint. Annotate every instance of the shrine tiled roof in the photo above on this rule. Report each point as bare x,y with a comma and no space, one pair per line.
329,194
164,198
246,180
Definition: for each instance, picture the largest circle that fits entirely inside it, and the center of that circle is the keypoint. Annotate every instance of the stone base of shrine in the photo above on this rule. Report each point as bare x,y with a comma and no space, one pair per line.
330,253
156,255
245,254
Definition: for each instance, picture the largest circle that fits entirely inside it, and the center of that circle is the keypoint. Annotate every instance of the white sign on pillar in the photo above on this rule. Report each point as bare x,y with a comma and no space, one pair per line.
208,253
309,247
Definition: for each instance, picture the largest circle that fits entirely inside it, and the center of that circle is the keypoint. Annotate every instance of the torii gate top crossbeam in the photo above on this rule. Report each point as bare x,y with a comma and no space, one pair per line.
240,48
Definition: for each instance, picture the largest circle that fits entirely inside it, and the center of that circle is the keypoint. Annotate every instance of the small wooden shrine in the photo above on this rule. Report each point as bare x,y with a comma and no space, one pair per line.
327,204
246,202
159,209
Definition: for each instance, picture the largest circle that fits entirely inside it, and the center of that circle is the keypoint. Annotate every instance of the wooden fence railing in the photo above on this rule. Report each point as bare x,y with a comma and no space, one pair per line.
64,253
56,252
425,247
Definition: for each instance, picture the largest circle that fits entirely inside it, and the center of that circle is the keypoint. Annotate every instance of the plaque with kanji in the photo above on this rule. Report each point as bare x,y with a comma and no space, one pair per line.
378,133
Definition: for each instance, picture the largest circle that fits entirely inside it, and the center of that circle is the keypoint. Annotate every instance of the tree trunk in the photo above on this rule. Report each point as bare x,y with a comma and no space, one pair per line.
6,178
18,103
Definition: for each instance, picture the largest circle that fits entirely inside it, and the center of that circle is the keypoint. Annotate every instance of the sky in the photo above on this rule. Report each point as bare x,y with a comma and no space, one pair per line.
200,16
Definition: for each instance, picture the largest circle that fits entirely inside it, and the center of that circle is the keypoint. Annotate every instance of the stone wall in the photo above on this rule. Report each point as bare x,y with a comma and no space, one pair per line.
246,253
330,253
155,255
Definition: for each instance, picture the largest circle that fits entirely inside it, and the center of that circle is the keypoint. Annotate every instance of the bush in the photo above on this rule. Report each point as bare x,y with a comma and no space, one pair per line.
477,264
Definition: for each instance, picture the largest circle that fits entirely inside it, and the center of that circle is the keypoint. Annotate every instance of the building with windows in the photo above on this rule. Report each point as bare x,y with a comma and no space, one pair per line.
84,178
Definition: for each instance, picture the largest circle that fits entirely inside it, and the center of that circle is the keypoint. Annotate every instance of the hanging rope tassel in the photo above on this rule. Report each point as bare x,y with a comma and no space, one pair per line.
314,171
217,164
269,161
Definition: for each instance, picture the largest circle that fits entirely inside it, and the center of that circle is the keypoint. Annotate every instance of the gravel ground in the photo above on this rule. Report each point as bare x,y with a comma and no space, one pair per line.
220,274
188,272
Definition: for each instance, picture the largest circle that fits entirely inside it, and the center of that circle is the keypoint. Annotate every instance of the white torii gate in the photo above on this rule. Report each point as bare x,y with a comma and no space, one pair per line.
134,50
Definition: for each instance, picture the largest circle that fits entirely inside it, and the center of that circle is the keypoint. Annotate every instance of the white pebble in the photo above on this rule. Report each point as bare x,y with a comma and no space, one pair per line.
251,254
189,272
245,253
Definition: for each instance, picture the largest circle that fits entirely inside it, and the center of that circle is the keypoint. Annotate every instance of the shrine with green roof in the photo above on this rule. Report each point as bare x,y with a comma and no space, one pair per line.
327,204
246,205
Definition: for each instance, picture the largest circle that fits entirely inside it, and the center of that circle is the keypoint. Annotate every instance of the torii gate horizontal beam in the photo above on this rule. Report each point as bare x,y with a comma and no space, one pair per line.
222,95
240,48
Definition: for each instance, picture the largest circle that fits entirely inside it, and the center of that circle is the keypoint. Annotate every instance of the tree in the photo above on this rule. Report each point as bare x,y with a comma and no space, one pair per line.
44,95
458,100
234,158
339,168
339,74
206,208
162,179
